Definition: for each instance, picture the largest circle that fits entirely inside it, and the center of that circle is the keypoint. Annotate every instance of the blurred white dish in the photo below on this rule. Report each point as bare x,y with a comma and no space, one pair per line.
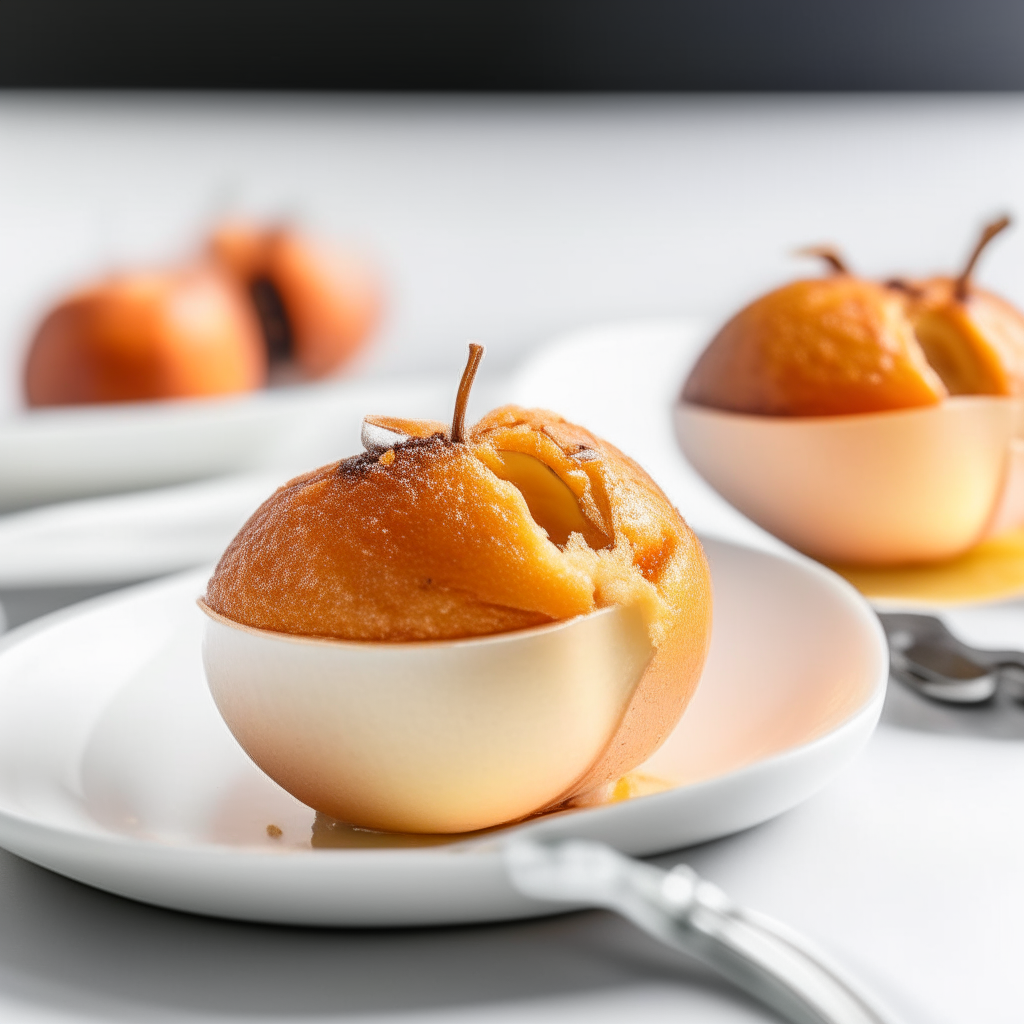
116,770
129,537
58,454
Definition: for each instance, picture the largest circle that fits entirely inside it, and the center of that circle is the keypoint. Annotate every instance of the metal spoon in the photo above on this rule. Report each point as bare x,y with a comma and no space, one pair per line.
925,656
758,955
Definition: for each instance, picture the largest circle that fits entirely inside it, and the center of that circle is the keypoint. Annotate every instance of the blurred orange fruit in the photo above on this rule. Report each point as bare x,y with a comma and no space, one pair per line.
150,335
317,305
843,345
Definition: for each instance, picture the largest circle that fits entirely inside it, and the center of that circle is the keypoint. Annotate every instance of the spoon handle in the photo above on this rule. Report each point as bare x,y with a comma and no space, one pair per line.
763,958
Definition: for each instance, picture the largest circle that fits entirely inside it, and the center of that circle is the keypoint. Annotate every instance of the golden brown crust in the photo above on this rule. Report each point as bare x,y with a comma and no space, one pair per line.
431,544
817,348
844,345
364,551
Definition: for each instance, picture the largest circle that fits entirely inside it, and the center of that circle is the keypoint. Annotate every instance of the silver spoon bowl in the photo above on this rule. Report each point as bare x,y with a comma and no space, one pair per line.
925,656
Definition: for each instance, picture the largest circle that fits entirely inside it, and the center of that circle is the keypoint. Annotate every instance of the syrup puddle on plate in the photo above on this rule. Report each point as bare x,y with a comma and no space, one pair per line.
992,571
326,833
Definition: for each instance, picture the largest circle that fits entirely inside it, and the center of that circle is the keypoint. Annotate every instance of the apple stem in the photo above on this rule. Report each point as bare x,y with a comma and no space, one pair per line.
827,253
476,353
963,282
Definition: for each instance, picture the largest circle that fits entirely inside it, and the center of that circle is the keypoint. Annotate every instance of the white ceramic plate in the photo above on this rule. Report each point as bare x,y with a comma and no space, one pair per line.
124,538
59,454
116,770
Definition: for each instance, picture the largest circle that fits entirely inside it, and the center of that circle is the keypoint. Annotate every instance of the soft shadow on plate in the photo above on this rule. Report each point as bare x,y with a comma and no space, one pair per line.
1002,718
991,627
23,604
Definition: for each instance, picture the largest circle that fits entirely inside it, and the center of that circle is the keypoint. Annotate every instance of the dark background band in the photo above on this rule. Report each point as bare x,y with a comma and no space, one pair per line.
514,45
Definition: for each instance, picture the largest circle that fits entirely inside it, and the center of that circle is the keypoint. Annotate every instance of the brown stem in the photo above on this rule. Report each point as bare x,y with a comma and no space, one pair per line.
904,286
827,253
476,353
963,282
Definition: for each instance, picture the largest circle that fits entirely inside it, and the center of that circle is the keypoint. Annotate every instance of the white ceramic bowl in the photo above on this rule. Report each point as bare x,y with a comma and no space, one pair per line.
444,736
915,485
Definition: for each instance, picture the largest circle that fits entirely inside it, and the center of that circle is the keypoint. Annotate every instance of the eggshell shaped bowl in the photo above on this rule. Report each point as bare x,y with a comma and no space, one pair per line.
440,736
888,488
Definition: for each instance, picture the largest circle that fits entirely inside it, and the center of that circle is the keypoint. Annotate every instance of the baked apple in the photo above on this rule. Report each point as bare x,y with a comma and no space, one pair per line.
138,336
521,603
317,305
843,344
866,423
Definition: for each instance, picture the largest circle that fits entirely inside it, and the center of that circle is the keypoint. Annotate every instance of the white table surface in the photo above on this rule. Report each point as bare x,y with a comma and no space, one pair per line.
506,221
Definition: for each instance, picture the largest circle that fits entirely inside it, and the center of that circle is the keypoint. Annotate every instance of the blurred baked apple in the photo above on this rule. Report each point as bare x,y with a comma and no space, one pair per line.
317,305
169,334
844,344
